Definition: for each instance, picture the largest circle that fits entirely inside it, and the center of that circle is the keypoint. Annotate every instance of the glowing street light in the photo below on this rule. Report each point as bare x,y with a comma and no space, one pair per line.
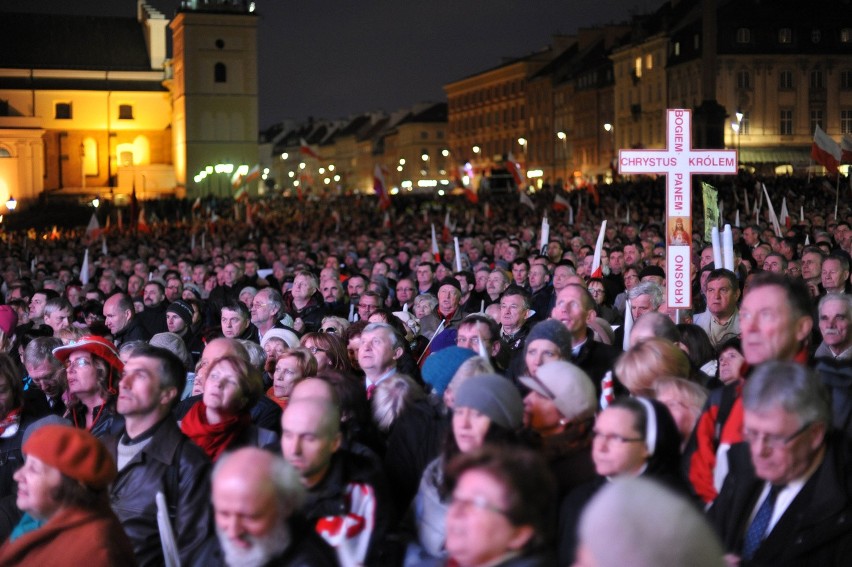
445,152
476,149
11,204
562,135
285,155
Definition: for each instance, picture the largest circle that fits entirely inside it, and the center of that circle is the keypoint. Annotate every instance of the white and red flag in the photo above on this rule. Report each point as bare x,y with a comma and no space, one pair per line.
380,188
306,150
825,151
560,203
435,250
846,149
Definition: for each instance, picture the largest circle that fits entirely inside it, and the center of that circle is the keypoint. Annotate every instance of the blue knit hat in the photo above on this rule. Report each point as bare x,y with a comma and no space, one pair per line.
441,366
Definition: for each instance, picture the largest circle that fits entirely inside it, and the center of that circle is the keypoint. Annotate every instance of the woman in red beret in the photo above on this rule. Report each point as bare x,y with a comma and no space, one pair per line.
93,369
62,490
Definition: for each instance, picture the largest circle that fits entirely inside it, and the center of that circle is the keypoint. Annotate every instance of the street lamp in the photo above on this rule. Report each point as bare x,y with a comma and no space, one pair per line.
476,149
563,137
610,128
738,130
11,204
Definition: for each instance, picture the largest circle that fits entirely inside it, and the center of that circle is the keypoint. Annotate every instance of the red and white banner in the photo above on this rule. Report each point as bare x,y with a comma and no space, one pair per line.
826,151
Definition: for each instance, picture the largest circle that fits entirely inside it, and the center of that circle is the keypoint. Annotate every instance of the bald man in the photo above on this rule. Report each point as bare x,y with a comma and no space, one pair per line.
256,496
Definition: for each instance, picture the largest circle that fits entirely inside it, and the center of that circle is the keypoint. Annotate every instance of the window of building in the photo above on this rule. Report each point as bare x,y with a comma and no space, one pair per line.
424,135
4,108
90,156
696,42
785,35
816,79
63,111
439,134
649,61
125,112
220,73
785,80
816,119
846,121
637,68
785,126
4,153
846,35
846,79
743,79
743,35
744,124
816,36
676,49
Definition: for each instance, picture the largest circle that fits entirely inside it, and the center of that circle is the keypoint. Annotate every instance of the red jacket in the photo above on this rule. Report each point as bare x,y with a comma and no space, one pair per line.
72,537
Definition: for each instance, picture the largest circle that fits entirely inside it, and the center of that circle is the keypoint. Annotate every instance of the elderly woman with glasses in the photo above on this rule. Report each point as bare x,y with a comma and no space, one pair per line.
93,368
498,511
328,349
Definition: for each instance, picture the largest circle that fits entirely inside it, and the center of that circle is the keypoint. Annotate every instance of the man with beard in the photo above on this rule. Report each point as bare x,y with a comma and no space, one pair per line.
153,317
256,497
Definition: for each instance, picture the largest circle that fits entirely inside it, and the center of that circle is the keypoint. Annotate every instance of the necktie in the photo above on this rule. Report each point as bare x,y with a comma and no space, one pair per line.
607,392
757,530
370,389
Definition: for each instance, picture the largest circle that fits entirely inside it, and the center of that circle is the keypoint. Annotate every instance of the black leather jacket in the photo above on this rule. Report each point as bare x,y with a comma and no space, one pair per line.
132,494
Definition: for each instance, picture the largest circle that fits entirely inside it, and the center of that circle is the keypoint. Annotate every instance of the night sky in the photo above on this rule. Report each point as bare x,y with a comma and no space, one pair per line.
335,58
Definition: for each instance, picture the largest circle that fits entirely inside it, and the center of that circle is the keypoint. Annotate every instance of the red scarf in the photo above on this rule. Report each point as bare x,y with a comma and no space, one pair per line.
11,419
213,438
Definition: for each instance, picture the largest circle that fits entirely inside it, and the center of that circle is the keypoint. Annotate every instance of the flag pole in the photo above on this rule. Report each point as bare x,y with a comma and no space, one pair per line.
837,195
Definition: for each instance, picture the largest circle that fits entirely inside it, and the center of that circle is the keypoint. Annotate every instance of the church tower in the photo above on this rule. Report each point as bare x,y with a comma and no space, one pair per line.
214,93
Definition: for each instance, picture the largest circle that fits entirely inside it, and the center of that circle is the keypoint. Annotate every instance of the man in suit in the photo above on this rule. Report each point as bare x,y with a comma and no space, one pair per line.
787,499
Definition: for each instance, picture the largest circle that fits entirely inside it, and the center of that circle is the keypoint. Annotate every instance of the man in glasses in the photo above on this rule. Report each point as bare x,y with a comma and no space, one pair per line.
406,291
266,310
787,497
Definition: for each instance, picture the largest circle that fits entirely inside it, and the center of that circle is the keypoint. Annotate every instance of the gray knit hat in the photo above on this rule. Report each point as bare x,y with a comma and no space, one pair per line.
494,396
553,331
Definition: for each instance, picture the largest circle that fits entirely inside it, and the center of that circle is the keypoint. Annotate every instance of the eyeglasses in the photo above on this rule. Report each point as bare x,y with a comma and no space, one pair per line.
330,330
610,437
316,349
478,502
257,305
79,363
774,441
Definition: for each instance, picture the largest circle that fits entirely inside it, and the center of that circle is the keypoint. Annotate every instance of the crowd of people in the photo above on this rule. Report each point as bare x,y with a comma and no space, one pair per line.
304,384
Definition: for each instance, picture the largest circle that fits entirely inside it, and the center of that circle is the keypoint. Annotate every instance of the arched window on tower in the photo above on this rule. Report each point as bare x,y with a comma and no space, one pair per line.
220,73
